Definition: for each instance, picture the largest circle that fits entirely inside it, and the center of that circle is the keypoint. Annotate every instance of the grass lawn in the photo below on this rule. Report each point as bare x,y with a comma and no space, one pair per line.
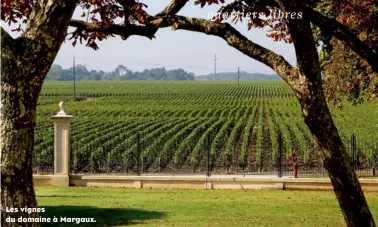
147,207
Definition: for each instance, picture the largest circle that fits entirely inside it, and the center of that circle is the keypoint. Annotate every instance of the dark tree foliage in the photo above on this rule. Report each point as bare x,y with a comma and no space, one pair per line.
346,74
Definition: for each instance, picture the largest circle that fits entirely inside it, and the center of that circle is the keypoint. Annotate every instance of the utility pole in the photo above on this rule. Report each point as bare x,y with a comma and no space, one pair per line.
215,67
74,88
238,77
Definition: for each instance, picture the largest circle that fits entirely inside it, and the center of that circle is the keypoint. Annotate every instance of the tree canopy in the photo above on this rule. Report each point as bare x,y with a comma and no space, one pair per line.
347,73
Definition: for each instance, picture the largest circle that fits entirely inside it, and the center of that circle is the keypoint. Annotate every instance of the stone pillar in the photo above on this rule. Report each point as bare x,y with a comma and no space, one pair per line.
61,147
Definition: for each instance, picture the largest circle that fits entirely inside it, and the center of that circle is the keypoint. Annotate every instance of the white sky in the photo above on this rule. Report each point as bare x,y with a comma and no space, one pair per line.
191,51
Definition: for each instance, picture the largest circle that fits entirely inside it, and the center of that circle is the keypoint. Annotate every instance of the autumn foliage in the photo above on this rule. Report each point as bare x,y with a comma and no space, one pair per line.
345,72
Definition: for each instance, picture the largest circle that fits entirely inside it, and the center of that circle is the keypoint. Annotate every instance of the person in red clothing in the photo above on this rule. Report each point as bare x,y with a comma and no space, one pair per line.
294,165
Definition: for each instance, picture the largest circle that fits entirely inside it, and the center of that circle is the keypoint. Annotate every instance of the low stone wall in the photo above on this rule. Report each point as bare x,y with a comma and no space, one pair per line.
43,180
200,182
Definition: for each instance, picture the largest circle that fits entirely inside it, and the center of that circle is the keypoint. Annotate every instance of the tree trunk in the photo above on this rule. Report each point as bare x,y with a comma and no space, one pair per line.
18,119
25,62
309,91
344,180
21,82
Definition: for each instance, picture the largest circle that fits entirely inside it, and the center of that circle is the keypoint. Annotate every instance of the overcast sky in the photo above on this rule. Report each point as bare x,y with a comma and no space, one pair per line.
191,51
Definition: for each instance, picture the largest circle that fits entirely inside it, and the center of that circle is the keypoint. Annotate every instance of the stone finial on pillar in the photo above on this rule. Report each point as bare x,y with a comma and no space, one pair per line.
61,147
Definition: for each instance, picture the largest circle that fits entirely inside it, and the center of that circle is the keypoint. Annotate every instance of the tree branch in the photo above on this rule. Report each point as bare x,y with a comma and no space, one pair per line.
123,31
173,8
129,29
335,28
303,40
233,38
342,33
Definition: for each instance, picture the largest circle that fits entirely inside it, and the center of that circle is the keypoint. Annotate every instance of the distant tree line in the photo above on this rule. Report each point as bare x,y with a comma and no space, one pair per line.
234,76
57,72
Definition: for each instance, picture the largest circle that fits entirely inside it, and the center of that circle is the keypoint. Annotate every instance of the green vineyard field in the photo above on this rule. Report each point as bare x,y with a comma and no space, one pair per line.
122,127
